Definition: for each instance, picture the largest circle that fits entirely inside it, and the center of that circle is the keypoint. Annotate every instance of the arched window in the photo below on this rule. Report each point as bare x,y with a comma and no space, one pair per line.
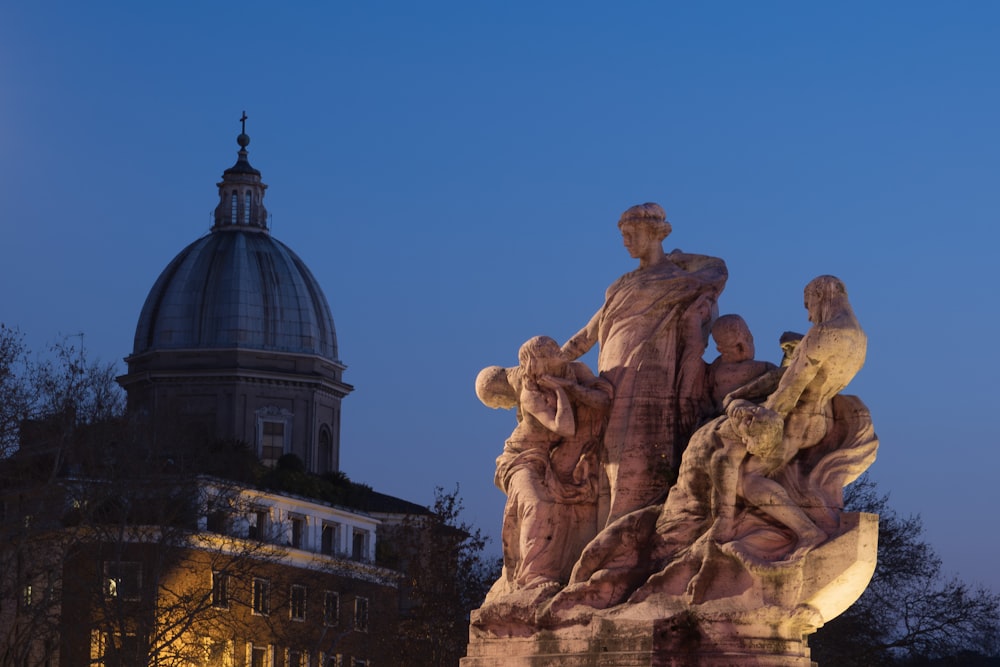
246,211
325,450
233,217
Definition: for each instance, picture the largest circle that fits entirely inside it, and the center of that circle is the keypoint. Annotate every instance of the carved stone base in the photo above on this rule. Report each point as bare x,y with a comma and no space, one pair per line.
766,626
681,641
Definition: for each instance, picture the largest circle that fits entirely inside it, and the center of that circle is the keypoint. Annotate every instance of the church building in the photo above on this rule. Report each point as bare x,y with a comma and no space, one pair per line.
236,339
212,526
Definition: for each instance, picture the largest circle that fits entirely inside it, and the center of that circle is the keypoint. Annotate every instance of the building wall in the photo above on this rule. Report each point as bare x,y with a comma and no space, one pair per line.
213,597
196,396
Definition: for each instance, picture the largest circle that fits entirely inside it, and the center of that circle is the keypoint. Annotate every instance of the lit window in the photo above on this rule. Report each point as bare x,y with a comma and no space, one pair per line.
26,596
297,603
114,648
331,607
123,580
361,614
220,590
215,652
261,597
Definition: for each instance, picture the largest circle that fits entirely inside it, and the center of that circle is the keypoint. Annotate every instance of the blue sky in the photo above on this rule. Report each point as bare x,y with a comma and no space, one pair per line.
453,172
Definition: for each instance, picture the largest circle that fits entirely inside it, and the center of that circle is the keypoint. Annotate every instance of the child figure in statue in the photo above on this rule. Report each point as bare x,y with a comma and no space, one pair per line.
735,365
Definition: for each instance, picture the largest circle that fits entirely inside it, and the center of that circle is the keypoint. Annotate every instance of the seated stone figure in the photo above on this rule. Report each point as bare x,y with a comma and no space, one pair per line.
770,507
549,465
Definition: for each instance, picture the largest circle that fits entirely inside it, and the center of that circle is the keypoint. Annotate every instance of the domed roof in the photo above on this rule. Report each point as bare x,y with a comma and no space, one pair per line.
237,287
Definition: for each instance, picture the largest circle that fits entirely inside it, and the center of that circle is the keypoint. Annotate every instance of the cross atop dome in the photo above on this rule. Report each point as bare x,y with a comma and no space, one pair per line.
241,192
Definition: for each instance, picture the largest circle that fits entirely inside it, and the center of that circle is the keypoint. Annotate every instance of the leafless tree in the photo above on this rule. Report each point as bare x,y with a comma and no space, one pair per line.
447,575
95,526
911,610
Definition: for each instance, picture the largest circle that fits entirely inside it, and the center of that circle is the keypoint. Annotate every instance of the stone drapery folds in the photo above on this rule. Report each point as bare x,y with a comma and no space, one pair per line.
634,502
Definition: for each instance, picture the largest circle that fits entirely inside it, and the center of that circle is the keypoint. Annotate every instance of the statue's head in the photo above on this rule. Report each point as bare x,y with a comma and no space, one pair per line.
733,339
789,342
541,355
494,389
825,296
761,430
650,216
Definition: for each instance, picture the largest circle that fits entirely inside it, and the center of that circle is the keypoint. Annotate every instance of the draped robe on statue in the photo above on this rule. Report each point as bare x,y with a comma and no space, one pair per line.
651,336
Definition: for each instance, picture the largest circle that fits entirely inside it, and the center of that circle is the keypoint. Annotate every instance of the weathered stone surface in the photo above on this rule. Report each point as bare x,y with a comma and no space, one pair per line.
548,469
749,551
652,331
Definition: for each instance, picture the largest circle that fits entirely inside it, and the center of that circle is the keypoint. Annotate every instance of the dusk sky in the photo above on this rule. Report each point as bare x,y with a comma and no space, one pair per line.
453,173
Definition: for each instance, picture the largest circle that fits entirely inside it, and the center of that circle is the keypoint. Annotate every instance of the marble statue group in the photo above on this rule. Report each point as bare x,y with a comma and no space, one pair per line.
664,487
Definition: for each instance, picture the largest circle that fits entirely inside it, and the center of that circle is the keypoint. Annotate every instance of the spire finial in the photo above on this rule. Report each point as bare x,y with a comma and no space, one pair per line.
243,140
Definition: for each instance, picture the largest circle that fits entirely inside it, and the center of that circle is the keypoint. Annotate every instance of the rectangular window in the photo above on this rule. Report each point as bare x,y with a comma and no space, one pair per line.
335,660
360,662
218,522
127,649
331,608
272,444
297,603
214,652
258,527
123,580
361,614
328,543
298,531
296,659
26,596
259,656
359,547
220,590
114,649
261,597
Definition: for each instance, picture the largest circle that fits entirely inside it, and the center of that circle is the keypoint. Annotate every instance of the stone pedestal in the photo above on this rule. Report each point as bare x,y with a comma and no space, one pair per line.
681,641
765,627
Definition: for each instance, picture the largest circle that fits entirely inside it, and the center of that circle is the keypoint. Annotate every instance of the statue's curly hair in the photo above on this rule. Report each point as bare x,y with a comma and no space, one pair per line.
649,214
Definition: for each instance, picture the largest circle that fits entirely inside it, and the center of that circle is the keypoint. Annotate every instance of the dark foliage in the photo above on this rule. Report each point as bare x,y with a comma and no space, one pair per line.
447,576
911,614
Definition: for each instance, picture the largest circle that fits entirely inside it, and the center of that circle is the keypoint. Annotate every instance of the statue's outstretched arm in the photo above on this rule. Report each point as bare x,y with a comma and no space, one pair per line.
589,389
762,386
582,340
